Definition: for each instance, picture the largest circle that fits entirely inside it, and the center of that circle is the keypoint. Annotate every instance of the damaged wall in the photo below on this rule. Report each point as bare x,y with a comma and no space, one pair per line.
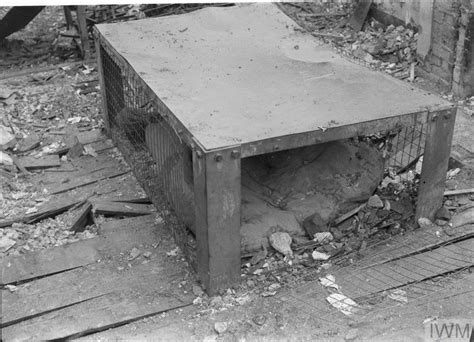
444,43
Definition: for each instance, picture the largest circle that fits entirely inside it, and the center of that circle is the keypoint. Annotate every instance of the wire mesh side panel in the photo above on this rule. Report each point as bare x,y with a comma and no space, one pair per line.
402,148
408,147
160,160
114,95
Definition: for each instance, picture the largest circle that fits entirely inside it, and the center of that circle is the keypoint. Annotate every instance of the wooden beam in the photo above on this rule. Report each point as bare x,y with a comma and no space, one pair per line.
82,25
459,192
217,197
81,218
44,211
85,180
115,237
112,208
440,127
423,44
45,162
357,19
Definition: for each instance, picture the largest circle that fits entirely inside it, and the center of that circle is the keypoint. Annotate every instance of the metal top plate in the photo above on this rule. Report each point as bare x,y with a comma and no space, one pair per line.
238,75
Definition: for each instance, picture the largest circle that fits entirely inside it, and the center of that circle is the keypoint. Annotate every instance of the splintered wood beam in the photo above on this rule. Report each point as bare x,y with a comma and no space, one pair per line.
81,218
45,211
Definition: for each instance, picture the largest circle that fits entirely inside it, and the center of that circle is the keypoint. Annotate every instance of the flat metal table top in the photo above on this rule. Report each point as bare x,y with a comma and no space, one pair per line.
242,74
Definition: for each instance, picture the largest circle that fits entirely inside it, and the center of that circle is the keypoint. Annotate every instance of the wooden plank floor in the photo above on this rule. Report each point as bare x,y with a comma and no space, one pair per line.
356,282
359,284
102,294
415,242
98,283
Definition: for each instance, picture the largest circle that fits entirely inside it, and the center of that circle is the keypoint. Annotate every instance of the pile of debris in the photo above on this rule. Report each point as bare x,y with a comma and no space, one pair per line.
368,42
42,124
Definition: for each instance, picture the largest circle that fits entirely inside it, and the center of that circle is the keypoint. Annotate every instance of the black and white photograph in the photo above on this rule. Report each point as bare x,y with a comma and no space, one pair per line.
237,172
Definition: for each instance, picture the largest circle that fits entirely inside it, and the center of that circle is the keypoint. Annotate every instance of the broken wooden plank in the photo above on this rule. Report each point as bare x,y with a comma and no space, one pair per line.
44,211
124,235
143,200
345,216
29,143
16,161
81,218
458,192
357,282
86,180
107,208
357,19
47,161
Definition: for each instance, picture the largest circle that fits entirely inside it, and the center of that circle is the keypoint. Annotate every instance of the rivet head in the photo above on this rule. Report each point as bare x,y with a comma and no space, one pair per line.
434,117
235,154
218,157
199,154
276,147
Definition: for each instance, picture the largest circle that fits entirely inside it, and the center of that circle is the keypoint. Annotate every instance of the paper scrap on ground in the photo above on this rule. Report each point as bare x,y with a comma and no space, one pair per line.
344,304
399,295
329,281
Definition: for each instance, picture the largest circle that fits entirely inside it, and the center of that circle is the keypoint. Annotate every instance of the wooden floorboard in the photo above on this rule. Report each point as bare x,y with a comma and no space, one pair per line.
406,270
414,242
119,235
147,291
102,294
85,180
109,208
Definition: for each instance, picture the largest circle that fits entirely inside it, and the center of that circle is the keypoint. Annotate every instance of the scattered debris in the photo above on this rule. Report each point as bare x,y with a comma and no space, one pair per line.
323,238
329,281
259,319
221,327
320,256
5,135
344,304
5,159
12,288
375,202
281,241
352,334
424,222
399,295
173,252
463,218
134,253
6,243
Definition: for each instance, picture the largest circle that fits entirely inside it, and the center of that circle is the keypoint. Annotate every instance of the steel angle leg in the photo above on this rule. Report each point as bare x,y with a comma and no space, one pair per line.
217,192
440,127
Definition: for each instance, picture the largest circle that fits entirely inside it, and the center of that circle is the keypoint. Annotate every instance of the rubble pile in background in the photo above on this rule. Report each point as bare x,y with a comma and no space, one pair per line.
390,49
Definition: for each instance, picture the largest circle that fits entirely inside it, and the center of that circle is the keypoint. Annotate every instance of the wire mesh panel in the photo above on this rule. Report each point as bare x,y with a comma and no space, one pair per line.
160,159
